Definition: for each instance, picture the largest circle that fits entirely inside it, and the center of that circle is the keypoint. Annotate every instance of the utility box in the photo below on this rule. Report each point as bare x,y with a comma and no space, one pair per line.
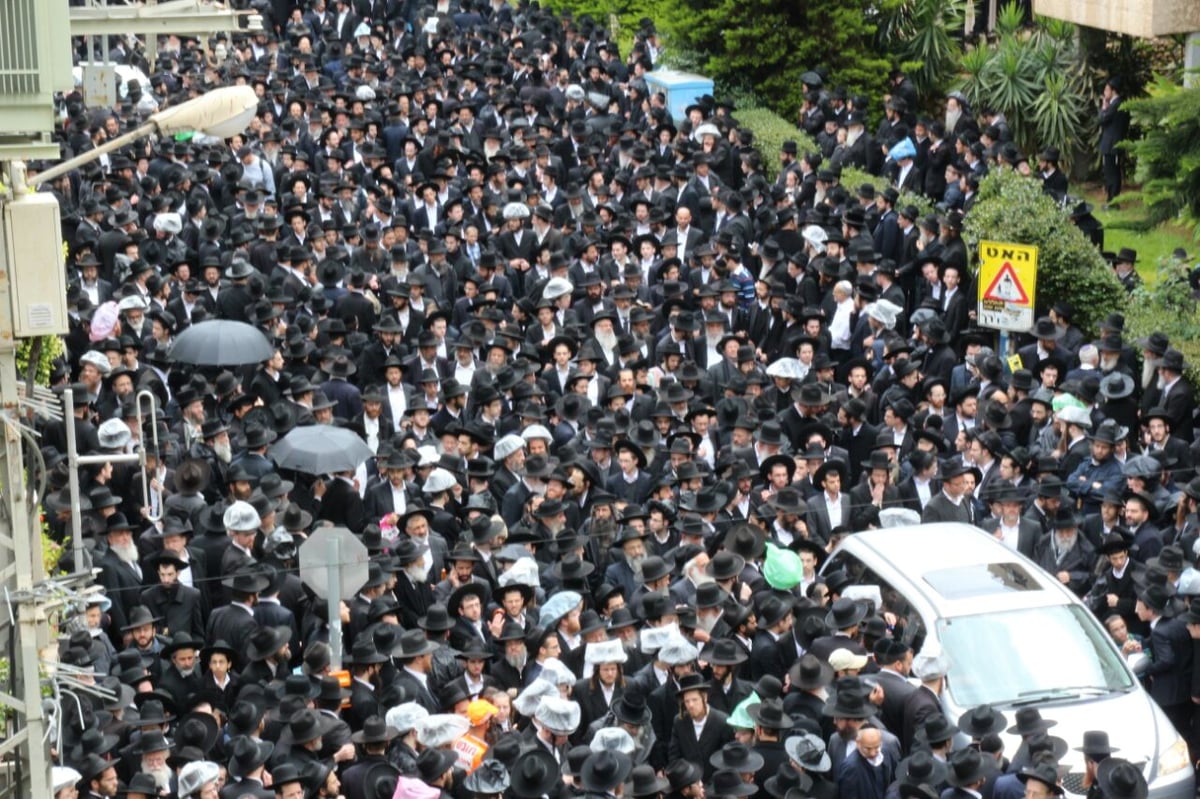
1143,18
681,88
35,62
33,251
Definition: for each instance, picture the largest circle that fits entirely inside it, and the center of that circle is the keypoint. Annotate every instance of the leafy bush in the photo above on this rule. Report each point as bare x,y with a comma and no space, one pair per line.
1166,305
1168,153
1012,208
52,347
770,132
1036,81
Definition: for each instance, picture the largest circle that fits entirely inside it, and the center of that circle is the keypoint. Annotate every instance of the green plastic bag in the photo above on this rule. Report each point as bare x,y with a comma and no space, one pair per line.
782,568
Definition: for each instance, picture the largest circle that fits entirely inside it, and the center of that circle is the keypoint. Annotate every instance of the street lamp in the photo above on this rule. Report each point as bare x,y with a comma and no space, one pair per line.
221,113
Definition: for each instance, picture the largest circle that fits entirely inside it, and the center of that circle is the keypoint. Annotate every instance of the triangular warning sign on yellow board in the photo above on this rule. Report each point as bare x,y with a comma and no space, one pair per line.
1006,287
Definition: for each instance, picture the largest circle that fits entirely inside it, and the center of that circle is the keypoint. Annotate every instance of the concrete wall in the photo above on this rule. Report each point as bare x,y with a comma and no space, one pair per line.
1146,18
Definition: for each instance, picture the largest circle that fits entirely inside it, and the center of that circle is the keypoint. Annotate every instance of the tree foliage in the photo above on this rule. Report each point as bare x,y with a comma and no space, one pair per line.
922,36
769,44
1168,153
1166,305
1013,208
1036,80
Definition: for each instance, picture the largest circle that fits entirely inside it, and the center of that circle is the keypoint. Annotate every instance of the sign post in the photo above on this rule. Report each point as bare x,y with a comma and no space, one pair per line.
334,564
1007,288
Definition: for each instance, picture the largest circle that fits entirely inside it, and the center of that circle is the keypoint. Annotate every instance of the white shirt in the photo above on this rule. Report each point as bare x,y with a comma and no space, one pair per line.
1009,535
834,506
371,428
398,402
923,492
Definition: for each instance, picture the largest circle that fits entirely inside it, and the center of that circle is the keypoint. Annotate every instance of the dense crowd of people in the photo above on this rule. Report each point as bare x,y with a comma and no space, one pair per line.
623,395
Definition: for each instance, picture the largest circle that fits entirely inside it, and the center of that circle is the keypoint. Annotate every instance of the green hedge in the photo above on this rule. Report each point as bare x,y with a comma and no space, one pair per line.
770,132
853,179
1012,208
1166,305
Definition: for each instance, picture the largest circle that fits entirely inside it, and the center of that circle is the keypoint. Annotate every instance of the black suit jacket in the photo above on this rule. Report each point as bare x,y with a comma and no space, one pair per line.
1170,671
181,610
921,704
896,691
232,624
684,743
122,585
343,506
419,693
1028,534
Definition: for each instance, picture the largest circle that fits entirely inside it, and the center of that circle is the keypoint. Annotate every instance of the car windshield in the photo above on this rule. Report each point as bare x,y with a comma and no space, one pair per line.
1034,655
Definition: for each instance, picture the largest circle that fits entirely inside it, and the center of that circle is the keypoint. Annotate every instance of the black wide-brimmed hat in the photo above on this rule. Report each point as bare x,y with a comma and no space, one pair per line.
922,767
981,720
810,673
967,767
1120,779
534,773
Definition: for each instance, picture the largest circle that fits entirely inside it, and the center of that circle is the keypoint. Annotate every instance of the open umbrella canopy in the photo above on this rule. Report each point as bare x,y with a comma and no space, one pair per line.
221,342
320,449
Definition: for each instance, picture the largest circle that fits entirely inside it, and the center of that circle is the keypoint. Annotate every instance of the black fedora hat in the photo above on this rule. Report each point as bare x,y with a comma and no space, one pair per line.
738,757
1029,721
724,652
1096,745
770,715
465,590
246,754
308,725
936,729
1045,773
265,642
844,614
967,767
922,767
1120,779
810,673
981,720
534,773
605,770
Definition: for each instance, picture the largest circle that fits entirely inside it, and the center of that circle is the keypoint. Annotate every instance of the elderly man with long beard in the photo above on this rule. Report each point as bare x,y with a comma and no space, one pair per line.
627,572
1065,554
120,572
152,750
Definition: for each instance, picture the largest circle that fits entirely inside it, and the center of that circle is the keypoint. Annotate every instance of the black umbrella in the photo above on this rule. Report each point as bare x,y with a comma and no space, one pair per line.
320,449
221,342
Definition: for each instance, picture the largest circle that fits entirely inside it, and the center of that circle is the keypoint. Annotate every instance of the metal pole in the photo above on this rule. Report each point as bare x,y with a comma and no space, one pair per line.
334,598
73,480
32,632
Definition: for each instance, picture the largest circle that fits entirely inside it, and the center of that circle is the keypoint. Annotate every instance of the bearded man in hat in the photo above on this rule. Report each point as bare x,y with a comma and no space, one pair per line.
1065,554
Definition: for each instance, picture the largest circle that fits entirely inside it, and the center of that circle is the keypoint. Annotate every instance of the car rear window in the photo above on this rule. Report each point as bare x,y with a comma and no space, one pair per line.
983,579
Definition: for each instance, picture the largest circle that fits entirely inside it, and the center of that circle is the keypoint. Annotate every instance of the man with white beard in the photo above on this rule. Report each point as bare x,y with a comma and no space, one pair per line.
1065,555
412,583
153,750
627,572
1153,347
606,336
180,676
120,573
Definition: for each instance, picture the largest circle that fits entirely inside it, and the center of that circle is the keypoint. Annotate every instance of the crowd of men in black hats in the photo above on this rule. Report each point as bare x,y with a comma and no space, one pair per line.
605,367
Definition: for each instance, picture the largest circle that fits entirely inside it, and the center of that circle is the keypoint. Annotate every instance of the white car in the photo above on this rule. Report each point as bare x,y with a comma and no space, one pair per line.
1015,638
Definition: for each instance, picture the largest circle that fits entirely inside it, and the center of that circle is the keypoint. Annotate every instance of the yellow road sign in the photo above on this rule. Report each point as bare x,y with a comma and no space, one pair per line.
1007,285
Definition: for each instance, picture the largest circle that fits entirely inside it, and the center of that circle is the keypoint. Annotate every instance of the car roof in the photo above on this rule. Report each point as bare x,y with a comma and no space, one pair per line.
937,560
